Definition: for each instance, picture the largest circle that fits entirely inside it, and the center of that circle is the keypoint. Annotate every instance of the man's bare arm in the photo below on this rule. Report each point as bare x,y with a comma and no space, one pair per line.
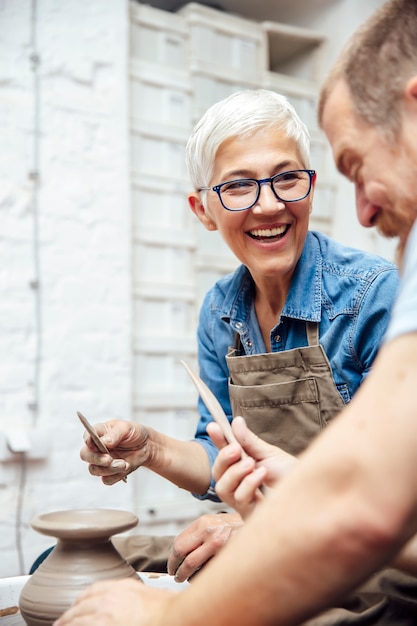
338,516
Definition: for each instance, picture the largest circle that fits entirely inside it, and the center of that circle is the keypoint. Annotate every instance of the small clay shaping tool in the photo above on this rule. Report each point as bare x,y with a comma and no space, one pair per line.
213,406
100,445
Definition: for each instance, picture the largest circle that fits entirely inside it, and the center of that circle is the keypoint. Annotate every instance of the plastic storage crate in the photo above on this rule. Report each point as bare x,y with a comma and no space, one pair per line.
159,206
225,40
161,95
210,87
301,93
158,36
158,150
162,264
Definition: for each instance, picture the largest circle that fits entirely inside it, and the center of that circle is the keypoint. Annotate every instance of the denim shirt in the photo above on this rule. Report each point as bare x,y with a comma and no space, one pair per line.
347,291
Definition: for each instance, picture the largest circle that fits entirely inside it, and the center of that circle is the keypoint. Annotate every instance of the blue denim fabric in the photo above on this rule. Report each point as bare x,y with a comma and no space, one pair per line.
348,291
404,314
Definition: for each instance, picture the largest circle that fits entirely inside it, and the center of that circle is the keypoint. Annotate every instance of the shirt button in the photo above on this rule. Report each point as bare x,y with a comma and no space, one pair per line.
277,338
239,324
249,344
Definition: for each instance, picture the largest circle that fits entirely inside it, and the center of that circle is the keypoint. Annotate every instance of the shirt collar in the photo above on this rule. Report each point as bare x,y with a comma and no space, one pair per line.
304,298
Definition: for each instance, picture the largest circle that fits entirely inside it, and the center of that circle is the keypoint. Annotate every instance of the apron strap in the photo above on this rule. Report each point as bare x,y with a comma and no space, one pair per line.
236,349
312,333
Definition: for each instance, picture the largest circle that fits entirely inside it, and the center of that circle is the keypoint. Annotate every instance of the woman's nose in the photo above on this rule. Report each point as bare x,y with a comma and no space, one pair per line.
267,201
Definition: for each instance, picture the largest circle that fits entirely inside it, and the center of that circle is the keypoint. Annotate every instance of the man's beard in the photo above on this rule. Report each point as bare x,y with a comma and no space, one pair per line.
397,224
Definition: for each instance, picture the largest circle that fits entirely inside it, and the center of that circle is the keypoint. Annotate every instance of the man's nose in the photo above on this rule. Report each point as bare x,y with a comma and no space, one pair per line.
366,211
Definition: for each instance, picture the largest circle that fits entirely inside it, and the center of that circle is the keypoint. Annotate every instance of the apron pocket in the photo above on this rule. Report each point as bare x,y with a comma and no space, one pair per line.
285,414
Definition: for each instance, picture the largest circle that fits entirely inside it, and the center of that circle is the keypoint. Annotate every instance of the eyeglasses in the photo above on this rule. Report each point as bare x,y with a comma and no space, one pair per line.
243,193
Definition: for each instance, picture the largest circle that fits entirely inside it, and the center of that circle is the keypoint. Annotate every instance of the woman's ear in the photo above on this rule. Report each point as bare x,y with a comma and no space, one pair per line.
197,207
411,90
313,187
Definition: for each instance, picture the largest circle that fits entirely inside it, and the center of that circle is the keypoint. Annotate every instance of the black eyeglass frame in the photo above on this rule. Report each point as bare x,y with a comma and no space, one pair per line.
259,182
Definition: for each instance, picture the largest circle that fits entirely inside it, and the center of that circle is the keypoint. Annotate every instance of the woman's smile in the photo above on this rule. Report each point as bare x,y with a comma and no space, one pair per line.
268,233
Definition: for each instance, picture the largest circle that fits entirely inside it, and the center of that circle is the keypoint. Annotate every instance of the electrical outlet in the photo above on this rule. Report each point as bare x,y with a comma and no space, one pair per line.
33,442
17,440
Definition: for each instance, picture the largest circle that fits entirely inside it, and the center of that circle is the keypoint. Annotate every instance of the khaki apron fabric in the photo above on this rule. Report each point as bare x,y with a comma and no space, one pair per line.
287,398
145,553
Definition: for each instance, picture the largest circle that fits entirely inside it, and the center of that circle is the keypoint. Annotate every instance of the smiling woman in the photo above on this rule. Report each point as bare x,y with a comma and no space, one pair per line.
287,338
267,151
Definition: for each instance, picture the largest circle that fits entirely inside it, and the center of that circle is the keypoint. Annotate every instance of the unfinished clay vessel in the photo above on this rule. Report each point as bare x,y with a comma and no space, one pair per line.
83,554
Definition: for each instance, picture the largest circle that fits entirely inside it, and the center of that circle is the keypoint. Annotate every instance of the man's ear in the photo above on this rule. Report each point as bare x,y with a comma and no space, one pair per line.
198,209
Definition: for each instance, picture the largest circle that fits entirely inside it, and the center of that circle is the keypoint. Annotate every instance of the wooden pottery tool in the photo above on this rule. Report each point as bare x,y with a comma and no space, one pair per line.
213,405
100,445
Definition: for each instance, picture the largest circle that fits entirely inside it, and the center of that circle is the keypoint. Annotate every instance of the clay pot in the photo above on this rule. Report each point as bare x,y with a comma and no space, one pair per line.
83,554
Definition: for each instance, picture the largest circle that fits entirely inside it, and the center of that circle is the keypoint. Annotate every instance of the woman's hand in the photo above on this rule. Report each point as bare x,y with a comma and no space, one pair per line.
239,479
128,444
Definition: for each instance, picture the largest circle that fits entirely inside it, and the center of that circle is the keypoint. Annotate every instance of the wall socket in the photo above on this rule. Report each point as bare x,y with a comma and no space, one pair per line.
33,442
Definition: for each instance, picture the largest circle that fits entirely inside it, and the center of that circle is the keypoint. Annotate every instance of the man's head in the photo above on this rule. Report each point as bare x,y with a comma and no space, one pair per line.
377,62
241,115
368,110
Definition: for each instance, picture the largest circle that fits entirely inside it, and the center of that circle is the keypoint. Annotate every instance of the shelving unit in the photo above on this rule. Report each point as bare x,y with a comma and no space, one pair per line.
180,65
293,50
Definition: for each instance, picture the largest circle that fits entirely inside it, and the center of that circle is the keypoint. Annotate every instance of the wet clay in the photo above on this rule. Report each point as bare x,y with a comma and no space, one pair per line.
83,554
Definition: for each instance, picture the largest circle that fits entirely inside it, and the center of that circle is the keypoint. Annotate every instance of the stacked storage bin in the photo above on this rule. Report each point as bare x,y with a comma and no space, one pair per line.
181,63
227,53
164,248
294,58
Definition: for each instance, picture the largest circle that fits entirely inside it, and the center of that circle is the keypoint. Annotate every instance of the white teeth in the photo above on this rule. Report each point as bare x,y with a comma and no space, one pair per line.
268,232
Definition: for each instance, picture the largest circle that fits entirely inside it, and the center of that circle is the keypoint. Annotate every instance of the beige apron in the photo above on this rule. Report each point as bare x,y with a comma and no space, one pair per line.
269,389
287,398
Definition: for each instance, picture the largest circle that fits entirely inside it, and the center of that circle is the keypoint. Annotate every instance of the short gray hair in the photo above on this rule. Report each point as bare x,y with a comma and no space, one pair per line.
240,115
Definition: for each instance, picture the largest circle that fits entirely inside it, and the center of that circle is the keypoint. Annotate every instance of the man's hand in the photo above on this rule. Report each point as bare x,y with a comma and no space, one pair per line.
127,442
198,543
406,559
239,479
119,602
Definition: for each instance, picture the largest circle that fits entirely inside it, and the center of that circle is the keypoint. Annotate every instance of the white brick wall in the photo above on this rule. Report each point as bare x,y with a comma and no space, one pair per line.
83,217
